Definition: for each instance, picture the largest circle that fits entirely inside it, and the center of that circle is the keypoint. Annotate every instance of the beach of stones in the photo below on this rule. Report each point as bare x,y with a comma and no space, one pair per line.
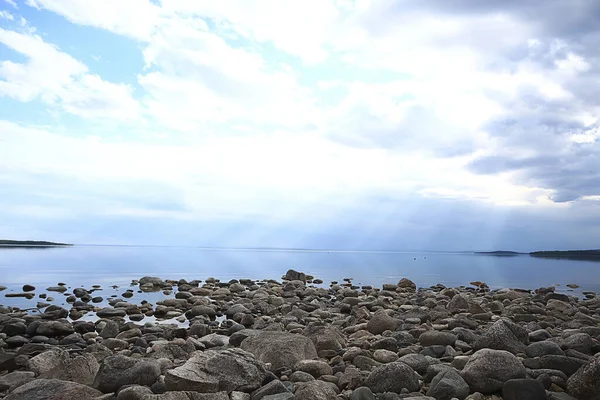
296,339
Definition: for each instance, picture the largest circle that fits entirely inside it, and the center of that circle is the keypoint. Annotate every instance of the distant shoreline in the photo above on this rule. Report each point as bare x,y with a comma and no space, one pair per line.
591,255
31,243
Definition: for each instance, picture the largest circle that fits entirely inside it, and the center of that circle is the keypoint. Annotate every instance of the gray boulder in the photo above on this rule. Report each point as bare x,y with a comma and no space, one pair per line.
381,322
118,371
81,369
292,275
324,337
316,390
585,383
504,335
392,377
448,384
214,371
544,348
15,379
55,389
281,349
487,370
144,393
581,342
47,361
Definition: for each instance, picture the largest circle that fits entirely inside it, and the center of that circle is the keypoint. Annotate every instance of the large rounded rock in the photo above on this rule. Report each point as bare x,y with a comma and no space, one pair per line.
504,335
543,348
214,371
487,370
316,390
324,337
381,322
581,342
585,383
281,349
447,385
523,389
55,389
392,377
117,371
81,369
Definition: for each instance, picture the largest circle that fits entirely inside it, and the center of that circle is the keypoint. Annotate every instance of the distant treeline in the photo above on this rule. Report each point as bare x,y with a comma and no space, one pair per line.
569,254
30,243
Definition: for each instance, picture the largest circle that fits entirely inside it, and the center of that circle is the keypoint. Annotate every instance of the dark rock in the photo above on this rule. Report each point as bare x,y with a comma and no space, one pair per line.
28,288
581,342
111,312
447,385
544,348
568,365
214,371
523,389
487,370
418,362
407,284
362,393
55,389
392,377
431,338
81,369
292,275
118,371
316,368
15,379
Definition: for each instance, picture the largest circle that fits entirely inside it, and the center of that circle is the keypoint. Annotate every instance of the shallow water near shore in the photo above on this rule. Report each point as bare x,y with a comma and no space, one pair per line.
84,266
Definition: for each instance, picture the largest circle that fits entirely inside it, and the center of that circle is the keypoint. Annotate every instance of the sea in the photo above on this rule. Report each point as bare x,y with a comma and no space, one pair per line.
114,268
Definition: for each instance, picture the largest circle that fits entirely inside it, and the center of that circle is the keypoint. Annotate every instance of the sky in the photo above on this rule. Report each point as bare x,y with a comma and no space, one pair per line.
344,124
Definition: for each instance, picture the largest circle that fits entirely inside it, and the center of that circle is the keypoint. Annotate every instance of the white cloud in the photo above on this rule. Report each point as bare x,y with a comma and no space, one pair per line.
58,79
134,18
6,15
11,3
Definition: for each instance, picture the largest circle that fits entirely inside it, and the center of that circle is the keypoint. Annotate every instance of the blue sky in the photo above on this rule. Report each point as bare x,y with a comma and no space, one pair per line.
370,124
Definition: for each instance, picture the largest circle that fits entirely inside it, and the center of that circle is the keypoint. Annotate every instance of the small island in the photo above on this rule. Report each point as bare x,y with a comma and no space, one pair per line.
592,255
30,243
501,253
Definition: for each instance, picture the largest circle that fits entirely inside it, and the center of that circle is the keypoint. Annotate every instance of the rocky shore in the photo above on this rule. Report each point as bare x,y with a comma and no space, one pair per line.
292,339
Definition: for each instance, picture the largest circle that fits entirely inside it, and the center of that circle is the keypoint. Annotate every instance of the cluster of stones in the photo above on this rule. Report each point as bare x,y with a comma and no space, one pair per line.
270,340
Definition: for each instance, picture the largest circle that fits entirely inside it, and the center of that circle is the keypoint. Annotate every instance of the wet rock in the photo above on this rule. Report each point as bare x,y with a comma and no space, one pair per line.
55,389
111,312
392,377
28,288
280,349
214,371
117,371
487,370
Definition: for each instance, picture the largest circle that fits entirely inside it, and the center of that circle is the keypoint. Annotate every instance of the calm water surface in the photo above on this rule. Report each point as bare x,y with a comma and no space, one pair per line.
118,265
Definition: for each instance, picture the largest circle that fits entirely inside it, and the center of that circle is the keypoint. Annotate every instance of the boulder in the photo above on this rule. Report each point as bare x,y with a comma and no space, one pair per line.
118,371
81,369
431,338
392,377
504,335
324,337
448,384
292,275
381,322
407,284
316,390
55,389
214,371
48,361
487,370
281,349
316,368
544,348
15,379
523,389
585,383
